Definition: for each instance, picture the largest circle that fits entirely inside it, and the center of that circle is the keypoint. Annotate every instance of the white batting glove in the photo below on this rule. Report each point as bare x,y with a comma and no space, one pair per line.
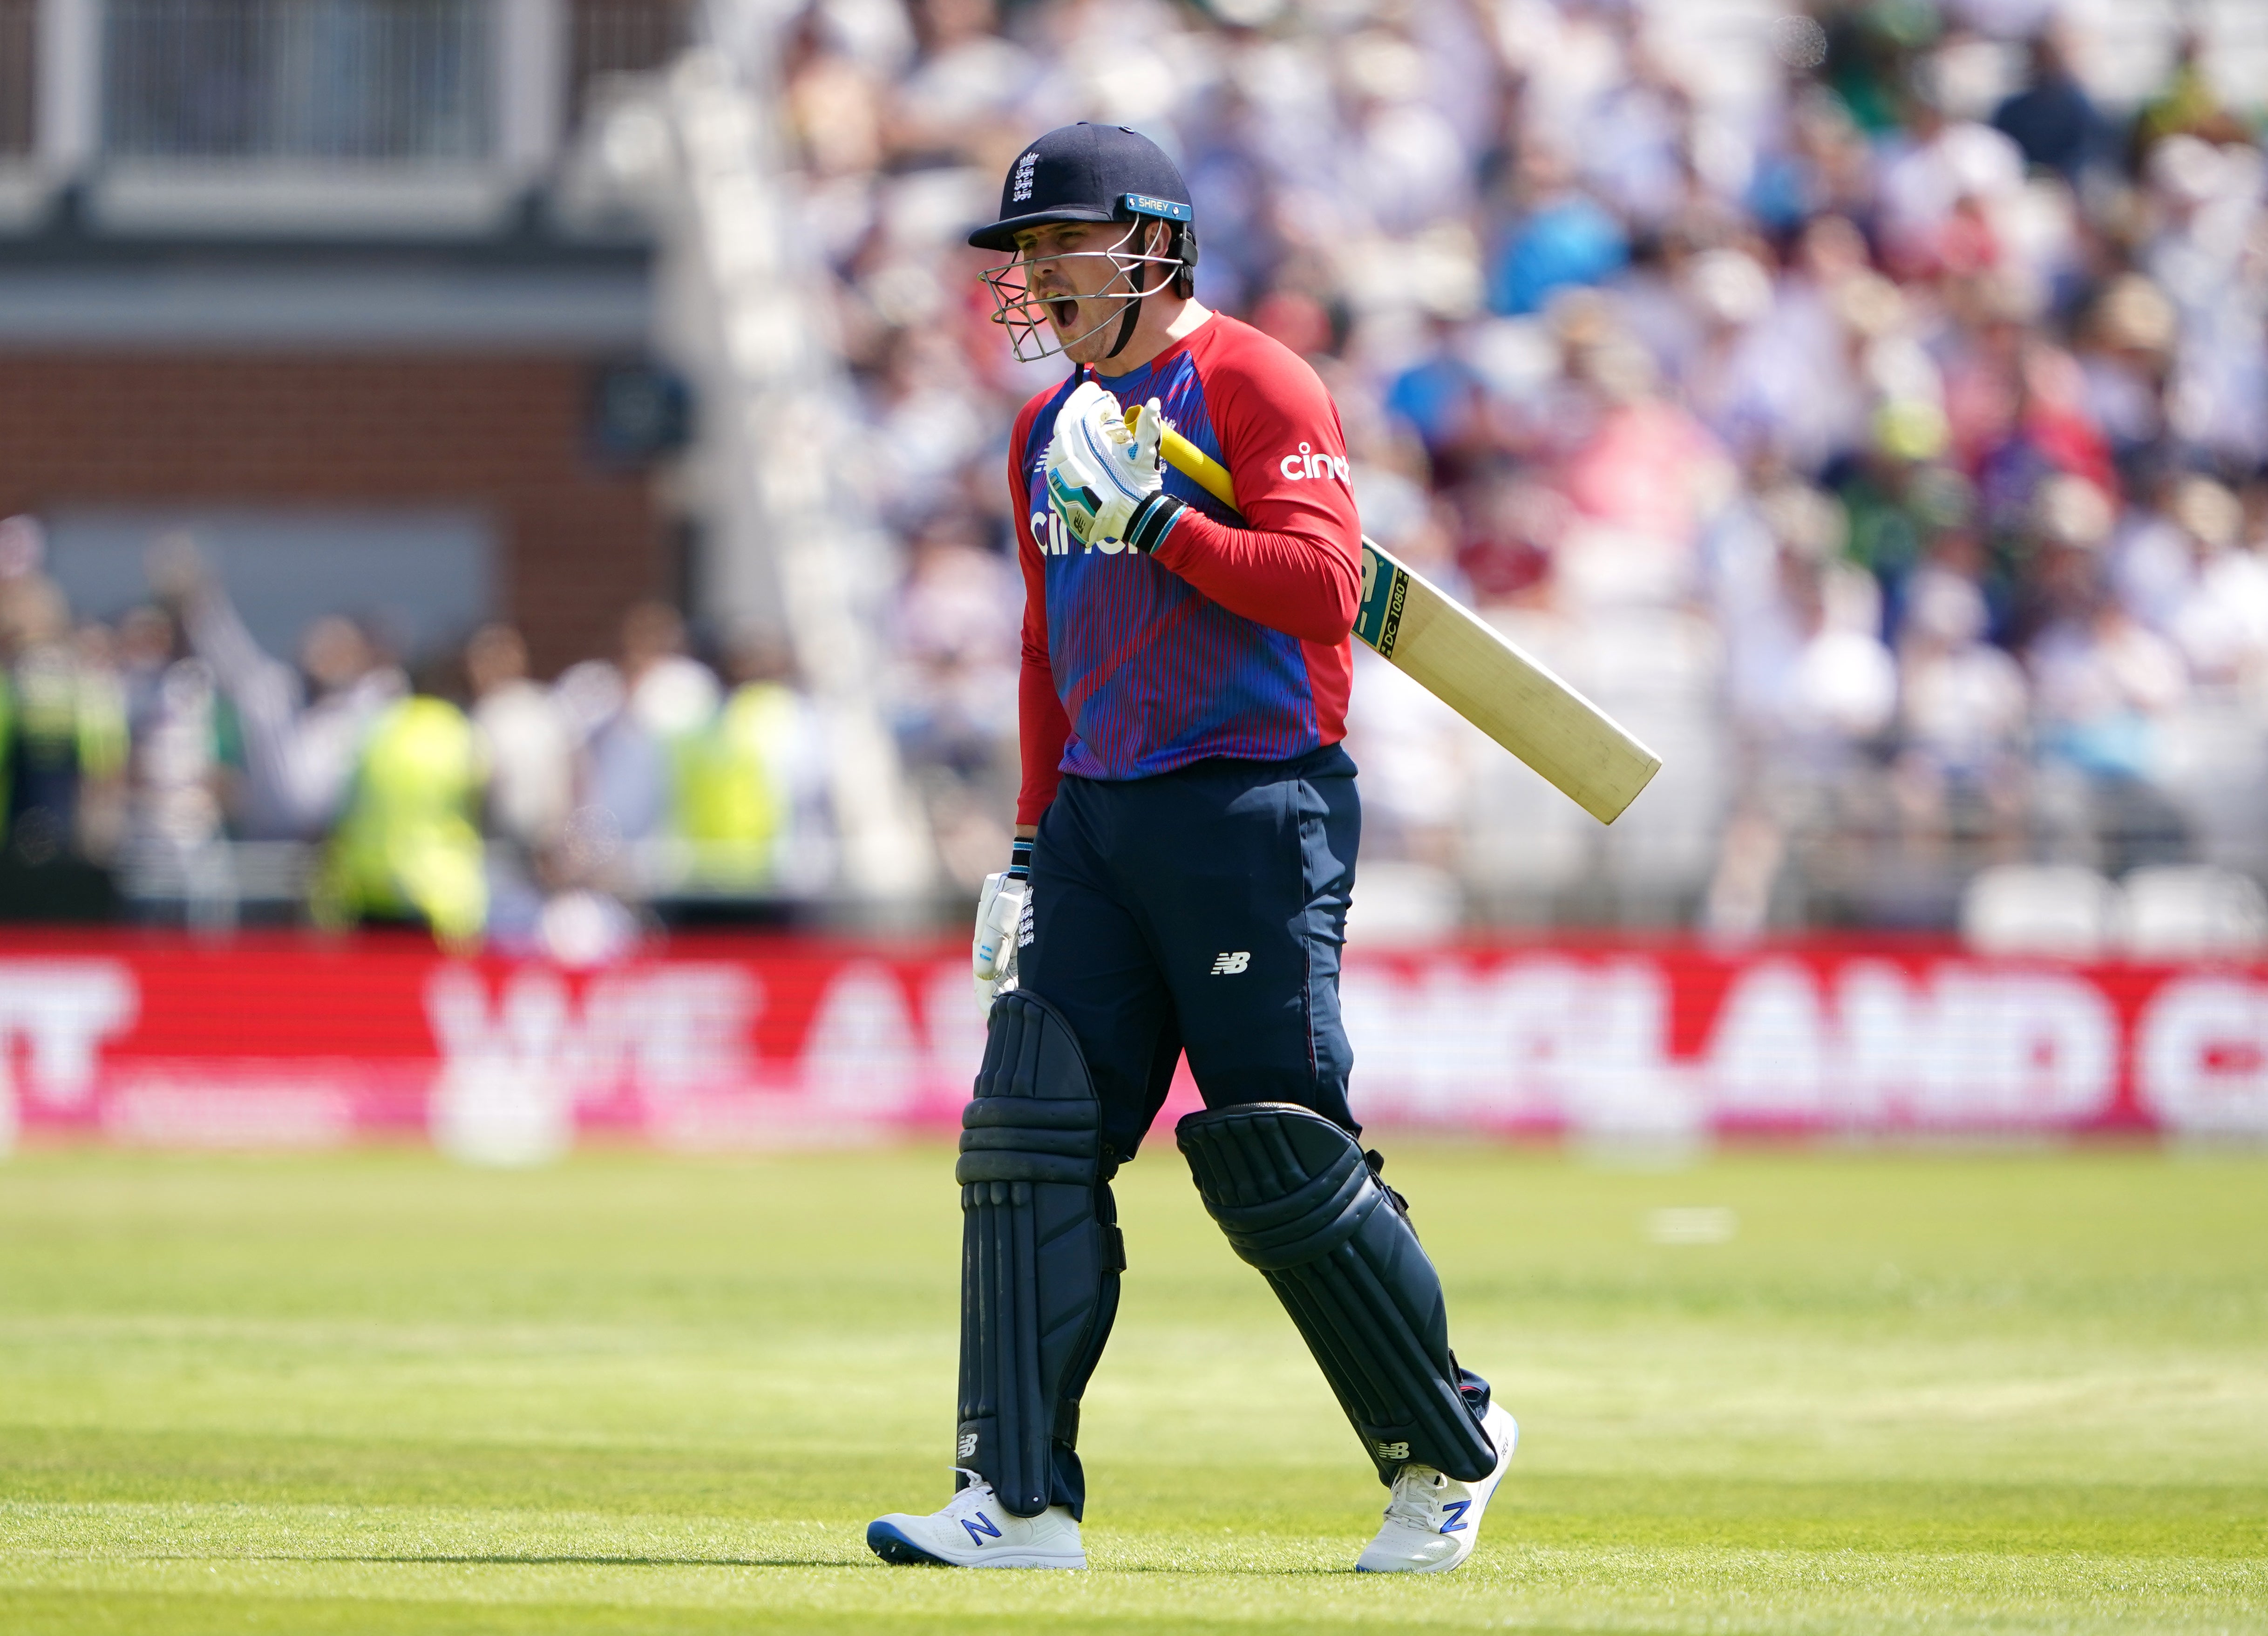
1101,473
992,952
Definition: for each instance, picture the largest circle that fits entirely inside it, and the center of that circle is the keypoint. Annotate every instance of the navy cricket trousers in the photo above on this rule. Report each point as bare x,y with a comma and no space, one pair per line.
1203,910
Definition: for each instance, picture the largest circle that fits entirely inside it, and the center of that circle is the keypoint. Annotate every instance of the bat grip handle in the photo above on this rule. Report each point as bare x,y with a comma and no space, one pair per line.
1193,462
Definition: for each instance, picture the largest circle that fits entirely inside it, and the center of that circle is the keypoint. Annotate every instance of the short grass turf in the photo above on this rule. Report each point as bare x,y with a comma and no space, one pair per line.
2005,1392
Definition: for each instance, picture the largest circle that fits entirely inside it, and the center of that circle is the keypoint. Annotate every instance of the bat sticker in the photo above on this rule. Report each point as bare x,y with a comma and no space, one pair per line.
1385,591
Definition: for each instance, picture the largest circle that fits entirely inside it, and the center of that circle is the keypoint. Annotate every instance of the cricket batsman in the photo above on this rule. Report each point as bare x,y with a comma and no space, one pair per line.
1184,855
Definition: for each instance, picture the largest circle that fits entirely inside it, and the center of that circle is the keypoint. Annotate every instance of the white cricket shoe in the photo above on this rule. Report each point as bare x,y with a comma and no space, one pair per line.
975,1530
1432,1519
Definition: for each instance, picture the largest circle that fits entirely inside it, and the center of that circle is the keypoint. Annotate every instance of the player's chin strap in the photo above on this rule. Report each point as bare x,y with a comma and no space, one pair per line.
1180,243
1133,313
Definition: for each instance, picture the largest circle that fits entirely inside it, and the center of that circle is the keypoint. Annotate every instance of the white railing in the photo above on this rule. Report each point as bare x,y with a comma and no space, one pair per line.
366,86
298,79
217,885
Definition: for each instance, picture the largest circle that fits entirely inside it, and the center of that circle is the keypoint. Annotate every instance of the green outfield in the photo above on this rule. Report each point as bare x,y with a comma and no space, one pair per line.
2021,1391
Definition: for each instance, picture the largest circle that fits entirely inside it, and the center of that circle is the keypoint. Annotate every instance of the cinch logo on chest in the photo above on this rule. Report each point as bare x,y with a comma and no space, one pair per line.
1054,539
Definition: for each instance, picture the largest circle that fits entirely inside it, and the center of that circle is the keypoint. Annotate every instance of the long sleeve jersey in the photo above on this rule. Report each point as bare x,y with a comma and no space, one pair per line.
1230,639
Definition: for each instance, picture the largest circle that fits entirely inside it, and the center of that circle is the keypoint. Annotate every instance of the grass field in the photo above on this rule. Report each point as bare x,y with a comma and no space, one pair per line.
2007,1391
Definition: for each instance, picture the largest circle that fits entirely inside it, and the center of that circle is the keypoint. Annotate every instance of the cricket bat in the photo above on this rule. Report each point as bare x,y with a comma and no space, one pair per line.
1466,663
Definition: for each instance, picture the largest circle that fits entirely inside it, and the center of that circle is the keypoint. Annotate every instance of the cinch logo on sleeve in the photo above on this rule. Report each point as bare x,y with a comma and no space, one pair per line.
1311,462
1231,964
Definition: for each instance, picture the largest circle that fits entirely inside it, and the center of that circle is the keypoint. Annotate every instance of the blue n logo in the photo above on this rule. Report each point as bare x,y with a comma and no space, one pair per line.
1455,1509
978,1528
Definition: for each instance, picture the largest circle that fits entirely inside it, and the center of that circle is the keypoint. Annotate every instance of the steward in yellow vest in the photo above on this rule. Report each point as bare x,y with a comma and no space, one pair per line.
409,844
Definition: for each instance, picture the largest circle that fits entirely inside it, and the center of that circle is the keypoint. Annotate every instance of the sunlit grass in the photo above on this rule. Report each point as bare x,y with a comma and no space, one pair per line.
2021,1391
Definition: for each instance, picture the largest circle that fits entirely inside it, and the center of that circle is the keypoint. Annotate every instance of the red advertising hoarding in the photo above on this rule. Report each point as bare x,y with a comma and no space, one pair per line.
285,1041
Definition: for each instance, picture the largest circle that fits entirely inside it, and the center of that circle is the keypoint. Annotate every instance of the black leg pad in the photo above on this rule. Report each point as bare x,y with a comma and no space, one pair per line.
1040,1257
1299,1201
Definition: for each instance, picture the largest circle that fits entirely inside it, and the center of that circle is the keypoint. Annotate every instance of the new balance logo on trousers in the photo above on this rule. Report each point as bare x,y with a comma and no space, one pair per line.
1228,965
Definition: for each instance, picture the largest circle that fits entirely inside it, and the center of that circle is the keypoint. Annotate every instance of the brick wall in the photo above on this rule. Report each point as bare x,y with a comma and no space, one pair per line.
503,434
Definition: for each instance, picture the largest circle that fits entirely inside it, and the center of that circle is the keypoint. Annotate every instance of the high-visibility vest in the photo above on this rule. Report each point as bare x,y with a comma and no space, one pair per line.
730,799
60,725
408,843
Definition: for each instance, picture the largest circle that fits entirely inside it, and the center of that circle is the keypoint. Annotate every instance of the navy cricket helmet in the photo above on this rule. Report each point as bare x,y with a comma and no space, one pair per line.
1087,172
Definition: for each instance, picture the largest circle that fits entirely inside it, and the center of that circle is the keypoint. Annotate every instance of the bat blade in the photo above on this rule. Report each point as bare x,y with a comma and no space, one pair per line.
1489,679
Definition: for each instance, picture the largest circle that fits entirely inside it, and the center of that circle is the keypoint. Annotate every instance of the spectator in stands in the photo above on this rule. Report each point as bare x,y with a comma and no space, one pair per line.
1560,236
63,719
181,735
956,634
2126,344
1816,165
637,712
2221,622
922,411
302,730
407,846
2151,560
526,740
964,100
1641,474
2204,251
747,778
1815,687
2186,105
1944,184
1963,709
2052,121
1402,167
2100,676
1744,380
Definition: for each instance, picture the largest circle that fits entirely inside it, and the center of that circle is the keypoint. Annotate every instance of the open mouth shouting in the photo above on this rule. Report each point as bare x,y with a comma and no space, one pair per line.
1040,298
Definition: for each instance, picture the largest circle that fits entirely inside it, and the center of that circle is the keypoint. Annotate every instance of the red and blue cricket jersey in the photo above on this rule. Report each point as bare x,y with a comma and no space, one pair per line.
1231,639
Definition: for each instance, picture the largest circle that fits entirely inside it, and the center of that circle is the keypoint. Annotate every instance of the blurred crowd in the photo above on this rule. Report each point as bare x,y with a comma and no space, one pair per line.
170,758
1859,401
1863,403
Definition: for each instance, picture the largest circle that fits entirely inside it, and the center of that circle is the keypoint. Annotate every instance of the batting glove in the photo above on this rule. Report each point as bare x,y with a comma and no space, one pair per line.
999,915
1103,476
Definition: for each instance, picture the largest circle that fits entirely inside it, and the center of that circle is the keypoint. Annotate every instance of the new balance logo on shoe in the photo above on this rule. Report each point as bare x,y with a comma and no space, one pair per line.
969,1532
1229,965
1454,1512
